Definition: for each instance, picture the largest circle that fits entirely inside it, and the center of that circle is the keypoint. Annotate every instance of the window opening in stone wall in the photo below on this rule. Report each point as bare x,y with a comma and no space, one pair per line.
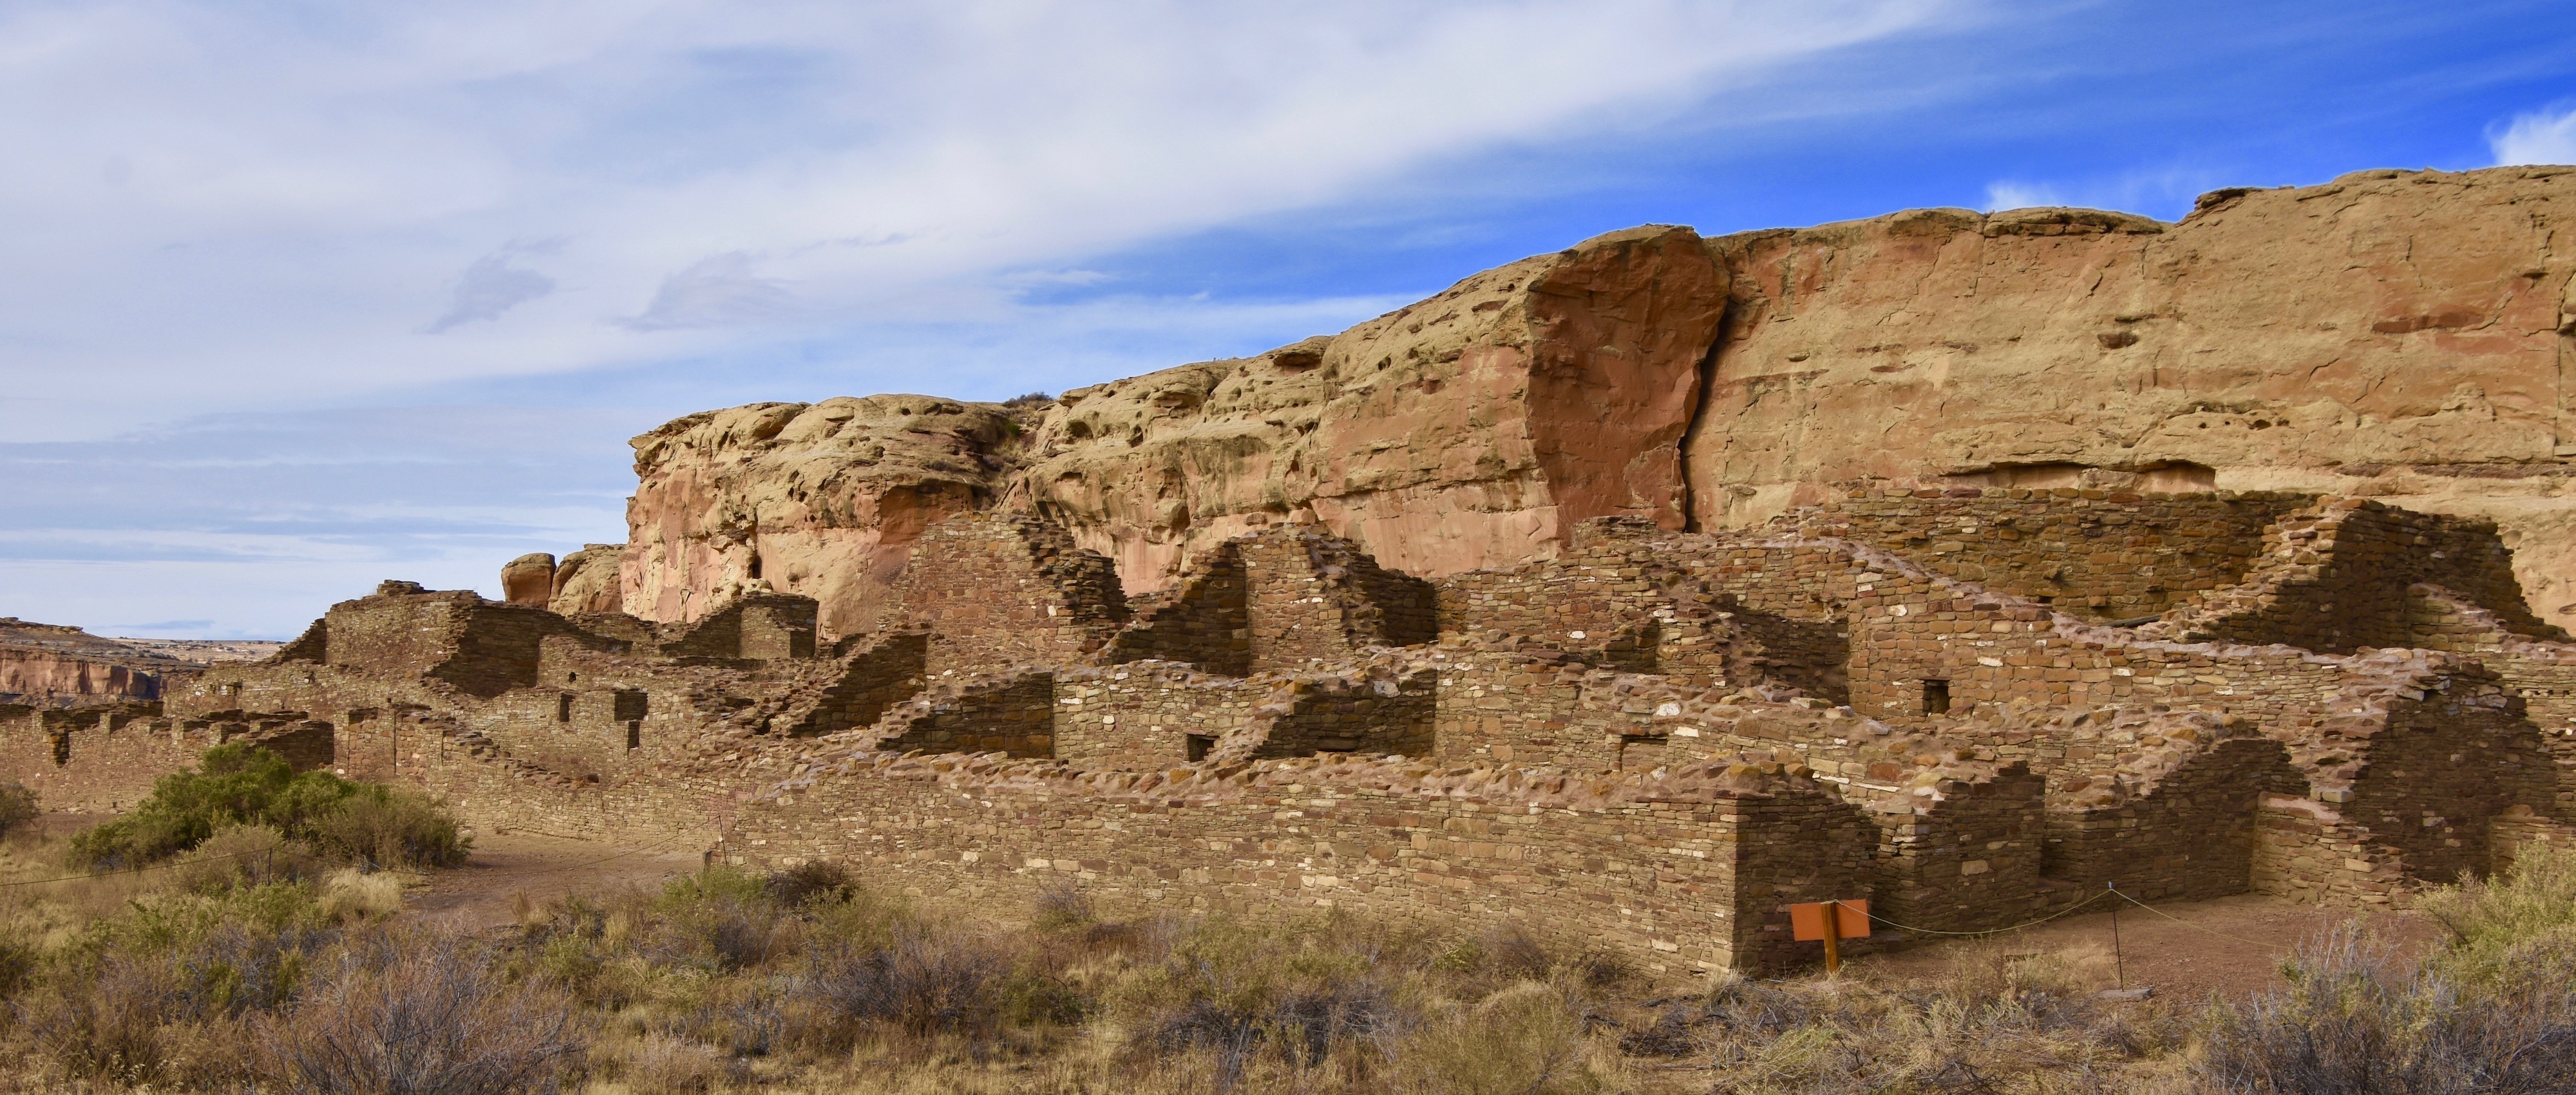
755,567
62,750
634,735
1638,752
1197,745
563,707
1936,697
630,704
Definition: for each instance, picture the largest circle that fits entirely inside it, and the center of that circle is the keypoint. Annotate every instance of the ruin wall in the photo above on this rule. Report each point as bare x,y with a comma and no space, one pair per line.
1682,885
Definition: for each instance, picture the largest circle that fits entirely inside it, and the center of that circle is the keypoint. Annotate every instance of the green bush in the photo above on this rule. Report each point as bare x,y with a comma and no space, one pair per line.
247,785
390,828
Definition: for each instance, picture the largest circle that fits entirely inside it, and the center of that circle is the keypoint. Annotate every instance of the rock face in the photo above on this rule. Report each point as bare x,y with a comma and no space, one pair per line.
821,499
1470,430
2402,335
586,581
2395,335
49,662
529,579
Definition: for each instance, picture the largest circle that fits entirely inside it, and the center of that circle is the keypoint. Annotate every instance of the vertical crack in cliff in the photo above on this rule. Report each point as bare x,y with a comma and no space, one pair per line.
1701,386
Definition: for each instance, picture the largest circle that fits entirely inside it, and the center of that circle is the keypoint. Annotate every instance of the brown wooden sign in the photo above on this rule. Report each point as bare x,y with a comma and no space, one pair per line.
1807,921
1848,920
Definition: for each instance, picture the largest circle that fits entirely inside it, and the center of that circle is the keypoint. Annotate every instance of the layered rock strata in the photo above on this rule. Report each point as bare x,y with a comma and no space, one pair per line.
2397,335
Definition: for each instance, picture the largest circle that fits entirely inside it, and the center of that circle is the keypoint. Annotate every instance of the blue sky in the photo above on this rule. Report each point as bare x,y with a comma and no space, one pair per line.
299,296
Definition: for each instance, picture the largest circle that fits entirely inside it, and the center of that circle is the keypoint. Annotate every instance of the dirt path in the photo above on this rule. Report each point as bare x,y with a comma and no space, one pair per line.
482,894
2232,946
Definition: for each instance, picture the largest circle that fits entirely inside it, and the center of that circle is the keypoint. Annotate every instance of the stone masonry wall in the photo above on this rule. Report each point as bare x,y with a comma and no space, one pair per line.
1144,714
2101,555
999,589
1377,714
1313,597
1205,621
1681,884
96,759
2336,577
1013,715
1960,847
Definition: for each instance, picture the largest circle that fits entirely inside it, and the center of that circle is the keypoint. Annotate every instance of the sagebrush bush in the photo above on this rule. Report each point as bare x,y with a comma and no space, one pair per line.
2354,1018
421,1013
17,805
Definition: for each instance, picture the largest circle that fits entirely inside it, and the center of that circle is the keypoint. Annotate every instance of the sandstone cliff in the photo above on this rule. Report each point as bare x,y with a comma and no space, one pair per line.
2391,334
1470,430
66,664
820,499
2401,335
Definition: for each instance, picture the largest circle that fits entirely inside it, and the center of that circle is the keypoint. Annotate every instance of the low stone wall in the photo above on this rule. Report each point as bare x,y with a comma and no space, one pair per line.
1687,874
1959,847
1013,715
96,760
2187,836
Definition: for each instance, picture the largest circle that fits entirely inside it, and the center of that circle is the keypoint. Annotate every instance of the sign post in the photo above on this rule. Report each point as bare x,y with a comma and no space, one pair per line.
1831,922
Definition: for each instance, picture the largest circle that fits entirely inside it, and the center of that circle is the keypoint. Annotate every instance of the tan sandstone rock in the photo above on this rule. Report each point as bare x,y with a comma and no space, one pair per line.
528,579
587,581
2402,335
821,499
2392,334
1470,430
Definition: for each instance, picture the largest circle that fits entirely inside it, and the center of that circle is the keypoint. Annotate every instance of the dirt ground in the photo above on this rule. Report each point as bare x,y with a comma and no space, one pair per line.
2232,946
484,893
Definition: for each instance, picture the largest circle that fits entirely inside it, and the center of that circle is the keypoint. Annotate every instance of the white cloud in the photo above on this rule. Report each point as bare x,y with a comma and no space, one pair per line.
2152,191
2540,137
221,205
2015,195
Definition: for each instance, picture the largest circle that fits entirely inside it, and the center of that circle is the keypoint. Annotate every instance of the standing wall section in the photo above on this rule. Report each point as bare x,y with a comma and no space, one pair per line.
1001,589
1681,884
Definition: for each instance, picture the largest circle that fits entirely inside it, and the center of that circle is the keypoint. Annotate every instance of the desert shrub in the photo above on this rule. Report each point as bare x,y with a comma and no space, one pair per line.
17,805
420,1013
2517,930
1526,1040
108,1025
387,827
1062,906
2354,1019
245,855
352,894
665,1065
157,996
231,783
1239,996
920,983
811,880
720,920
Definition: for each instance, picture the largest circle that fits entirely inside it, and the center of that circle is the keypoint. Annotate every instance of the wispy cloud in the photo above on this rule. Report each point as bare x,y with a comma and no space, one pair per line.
2540,137
293,191
2152,191
493,286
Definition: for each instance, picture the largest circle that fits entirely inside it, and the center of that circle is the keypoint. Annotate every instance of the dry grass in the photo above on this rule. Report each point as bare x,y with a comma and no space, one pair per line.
243,971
